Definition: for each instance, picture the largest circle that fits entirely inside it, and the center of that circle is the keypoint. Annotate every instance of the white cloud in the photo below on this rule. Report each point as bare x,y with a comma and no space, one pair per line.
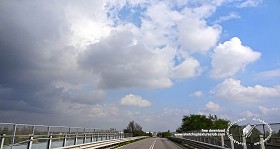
188,68
196,36
68,54
212,107
249,114
232,90
158,25
230,57
250,3
269,110
122,60
134,100
269,74
231,15
197,94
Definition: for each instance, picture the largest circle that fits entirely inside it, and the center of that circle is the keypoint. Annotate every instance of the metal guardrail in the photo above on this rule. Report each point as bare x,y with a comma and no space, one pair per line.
195,144
260,129
259,134
19,136
101,144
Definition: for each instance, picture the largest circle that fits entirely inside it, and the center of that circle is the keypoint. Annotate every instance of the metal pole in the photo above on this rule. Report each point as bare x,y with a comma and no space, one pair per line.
33,129
222,140
244,142
262,142
49,145
75,139
29,146
49,129
14,135
64,140
239,132
85,139
231,144
2,141
264,131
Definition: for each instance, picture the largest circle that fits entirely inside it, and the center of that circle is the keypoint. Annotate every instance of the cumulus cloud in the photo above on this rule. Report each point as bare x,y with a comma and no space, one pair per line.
188,68
38,55
60,59
249,114
134,100
197,94
232,90
212,107
192,35
120,61
231,57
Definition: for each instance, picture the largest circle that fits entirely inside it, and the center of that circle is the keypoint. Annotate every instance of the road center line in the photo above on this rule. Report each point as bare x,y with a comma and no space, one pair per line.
153,144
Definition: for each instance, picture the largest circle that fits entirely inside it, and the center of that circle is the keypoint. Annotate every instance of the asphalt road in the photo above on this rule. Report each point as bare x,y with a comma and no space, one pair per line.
152,143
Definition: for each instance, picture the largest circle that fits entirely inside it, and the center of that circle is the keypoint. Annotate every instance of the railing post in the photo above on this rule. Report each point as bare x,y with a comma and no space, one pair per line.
49,145
264,131
261,142
244,142
64,140
14,135
91,138
29,145
85,138
33,129
49,129
97,136
222,140
75,139
2,141
231,143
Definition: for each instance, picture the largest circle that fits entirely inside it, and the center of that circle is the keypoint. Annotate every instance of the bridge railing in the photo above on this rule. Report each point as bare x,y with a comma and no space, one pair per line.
19,136
259,134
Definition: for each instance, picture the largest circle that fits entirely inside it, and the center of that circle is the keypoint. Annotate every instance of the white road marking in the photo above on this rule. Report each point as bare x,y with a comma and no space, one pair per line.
153,144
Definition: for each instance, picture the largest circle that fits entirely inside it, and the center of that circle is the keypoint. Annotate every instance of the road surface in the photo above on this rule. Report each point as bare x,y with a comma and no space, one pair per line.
152,143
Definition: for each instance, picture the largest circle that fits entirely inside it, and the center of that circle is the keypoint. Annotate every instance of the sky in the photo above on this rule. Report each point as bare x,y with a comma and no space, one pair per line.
103,63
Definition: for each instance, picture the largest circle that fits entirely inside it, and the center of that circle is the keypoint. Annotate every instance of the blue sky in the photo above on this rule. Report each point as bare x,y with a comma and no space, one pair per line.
105,63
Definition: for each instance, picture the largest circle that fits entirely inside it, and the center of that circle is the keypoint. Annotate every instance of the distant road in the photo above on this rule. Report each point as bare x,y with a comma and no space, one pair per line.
152,143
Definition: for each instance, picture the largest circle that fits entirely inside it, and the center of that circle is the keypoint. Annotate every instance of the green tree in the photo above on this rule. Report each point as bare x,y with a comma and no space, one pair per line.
197,122
166,134
135,129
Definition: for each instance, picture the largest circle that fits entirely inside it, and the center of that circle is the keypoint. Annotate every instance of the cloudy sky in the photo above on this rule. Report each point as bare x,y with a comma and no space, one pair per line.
103,63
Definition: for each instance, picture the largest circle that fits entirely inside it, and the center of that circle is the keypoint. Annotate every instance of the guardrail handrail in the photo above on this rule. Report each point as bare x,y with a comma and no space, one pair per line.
13,134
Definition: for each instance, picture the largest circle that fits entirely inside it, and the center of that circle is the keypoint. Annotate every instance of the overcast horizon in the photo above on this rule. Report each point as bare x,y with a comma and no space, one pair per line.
103,63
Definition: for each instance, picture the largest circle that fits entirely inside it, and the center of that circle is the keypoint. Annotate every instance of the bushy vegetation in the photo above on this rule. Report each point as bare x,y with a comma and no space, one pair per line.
197,122
135,129
165,134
